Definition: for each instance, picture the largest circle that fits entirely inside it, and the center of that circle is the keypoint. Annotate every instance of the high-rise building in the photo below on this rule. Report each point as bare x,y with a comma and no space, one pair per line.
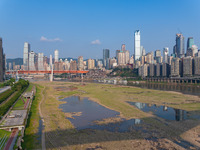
131,60
127,56
1,61
197,66
117,51
143,70
165,70
142,51
80,63
26,55
157,53
32,61
137,49
158,69
73,65
40,61
187,66
175,67
56,55
91,64
121,58
165,54
180,48
190,42
123,47
113,63
106,56
152,70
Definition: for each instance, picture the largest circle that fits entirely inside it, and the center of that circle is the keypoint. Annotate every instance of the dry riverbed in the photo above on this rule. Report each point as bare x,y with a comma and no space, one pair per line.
152,133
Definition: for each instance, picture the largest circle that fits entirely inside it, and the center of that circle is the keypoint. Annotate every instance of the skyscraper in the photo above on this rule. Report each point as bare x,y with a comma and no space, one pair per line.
32,61
190,42
123,47
1,61
80,63
56,55
137,49
165,54
91,64
127,56
180,48
26,55
142,51
106,56
40,61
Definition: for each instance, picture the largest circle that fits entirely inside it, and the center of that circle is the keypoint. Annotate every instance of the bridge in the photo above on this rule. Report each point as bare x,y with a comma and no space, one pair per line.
47,72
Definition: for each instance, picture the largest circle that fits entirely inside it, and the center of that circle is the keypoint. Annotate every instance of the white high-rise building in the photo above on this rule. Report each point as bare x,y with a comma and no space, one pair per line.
32,61
137,49
40,61
165,54
56,55
26,56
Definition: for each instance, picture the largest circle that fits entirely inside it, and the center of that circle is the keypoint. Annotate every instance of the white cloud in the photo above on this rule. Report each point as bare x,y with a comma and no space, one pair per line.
96,42
44,39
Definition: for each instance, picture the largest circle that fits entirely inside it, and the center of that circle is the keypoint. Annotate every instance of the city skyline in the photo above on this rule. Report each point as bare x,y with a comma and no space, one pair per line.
97,31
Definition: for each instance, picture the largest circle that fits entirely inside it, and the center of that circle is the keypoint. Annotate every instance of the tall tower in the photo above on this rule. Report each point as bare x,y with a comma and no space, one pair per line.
1,61
123,47
190,42
26,56
180,48
137,49
40,61
56,55
80,63
165,54
106,56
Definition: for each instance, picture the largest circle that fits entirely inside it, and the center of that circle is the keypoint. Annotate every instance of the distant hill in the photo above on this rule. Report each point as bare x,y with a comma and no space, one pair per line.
18,61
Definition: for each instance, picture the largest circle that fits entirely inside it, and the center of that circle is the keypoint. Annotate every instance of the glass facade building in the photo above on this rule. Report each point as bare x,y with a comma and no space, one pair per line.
26,56
106,56
190,42
137,49
180,48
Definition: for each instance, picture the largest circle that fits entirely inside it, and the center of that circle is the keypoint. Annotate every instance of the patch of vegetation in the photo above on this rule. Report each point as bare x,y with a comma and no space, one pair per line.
5,95
124,72
31,132
19,87
8,83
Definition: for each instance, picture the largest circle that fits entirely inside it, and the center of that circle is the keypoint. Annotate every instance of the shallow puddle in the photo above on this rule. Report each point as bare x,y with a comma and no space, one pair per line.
164,112
89,112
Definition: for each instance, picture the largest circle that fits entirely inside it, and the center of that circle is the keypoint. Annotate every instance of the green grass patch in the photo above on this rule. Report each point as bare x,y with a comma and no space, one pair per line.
19,105
6,135
29,89
31,132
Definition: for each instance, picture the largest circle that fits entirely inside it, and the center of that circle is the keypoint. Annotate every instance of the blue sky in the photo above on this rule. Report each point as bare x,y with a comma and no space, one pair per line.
85,27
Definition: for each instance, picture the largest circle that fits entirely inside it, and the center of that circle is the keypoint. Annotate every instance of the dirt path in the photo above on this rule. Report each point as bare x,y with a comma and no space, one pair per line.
40,112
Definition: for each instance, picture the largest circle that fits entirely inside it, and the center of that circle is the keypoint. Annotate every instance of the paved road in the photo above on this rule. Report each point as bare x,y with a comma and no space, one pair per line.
4,89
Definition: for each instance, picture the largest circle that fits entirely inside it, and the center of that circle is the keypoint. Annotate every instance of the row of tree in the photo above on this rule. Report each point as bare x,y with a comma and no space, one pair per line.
17,88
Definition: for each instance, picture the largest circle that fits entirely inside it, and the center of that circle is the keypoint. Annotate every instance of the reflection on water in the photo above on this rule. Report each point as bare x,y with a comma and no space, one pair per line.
164,112
183,88
92,111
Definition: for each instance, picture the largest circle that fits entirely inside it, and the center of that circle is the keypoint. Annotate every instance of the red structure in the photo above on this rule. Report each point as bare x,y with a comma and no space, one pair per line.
48,72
